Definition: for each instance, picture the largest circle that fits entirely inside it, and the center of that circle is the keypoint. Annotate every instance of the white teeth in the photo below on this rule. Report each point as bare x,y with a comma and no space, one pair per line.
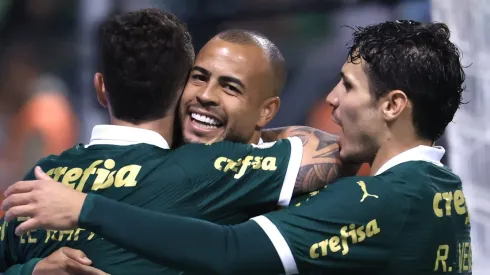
205,119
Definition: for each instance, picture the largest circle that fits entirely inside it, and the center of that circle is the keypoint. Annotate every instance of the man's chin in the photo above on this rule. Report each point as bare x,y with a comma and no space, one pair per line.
350,159
200,140
352,162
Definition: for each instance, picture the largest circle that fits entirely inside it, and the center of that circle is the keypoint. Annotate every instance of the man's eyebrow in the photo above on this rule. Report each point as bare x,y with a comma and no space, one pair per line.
233,80
201,70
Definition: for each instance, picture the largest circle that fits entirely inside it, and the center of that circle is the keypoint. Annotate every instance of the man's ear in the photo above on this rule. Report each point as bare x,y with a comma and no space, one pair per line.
268,110
100,89
394,103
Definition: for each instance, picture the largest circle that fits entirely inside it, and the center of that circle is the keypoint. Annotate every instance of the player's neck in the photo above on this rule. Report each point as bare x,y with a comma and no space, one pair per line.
393,147
255,138
163,126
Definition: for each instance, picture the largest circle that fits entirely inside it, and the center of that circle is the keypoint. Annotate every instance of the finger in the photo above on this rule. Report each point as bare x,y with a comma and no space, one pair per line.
15,200
20,187
19,211
75,268
29,225
76,255
40,175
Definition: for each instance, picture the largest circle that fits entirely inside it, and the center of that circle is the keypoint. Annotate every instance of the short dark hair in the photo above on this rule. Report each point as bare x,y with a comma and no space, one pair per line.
273,53
418,59
146,56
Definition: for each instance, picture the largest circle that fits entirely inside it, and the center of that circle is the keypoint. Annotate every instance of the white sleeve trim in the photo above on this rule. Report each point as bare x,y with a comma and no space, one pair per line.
279,243
292,171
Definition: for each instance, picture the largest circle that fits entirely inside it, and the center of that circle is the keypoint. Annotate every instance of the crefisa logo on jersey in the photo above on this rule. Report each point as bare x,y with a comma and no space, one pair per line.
239,167
349,235
105,175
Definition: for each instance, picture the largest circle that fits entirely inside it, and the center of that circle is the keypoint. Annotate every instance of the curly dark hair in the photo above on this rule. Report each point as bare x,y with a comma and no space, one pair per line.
418,59
146,56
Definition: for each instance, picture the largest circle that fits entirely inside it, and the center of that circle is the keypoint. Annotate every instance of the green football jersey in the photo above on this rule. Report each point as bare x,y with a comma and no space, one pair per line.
224,182
410,219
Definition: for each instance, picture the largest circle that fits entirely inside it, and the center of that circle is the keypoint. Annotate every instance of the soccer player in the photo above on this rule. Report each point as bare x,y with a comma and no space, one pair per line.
399,89
223,182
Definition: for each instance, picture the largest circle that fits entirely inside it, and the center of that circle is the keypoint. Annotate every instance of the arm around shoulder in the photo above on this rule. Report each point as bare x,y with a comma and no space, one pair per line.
320,164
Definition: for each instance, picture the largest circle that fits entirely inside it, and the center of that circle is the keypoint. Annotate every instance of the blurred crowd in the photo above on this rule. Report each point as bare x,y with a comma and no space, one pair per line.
36,57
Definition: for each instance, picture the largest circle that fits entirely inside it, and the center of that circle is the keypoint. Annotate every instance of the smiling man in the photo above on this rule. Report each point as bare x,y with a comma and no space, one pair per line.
233,89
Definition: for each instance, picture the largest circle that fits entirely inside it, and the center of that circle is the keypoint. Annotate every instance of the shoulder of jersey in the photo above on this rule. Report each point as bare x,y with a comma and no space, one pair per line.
76,148
367,187
415,169
264,145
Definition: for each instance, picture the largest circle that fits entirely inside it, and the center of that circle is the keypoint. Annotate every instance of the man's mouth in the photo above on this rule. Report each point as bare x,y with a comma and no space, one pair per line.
205,121
336,120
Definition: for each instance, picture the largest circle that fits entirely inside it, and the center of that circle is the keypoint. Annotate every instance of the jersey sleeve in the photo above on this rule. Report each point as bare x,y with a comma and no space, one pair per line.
350,226
178,242
10,256
233,174
23,269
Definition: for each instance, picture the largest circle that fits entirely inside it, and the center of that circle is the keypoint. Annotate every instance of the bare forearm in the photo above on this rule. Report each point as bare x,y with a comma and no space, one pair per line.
320,164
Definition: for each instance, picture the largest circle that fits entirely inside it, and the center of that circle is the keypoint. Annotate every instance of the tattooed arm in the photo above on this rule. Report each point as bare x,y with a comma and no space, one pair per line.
320,164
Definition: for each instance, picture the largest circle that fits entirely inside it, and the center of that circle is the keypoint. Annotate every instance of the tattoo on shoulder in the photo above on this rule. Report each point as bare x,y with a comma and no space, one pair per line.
321,164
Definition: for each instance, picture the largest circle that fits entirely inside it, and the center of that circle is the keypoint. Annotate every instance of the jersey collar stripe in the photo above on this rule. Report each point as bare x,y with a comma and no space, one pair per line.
124,136
420,153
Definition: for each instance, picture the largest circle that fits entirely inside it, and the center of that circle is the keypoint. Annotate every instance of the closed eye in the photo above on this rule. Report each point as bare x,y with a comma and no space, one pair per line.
199,77
232,88
347,85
